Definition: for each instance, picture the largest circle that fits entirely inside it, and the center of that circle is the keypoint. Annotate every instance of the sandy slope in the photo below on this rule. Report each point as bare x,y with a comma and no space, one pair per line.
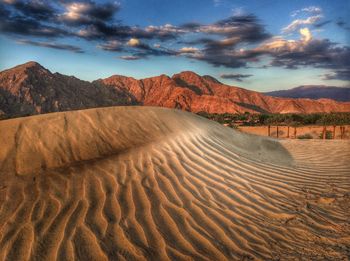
313,130
133,183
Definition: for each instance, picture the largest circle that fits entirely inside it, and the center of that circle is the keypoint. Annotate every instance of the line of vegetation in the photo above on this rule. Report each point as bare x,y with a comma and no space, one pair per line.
290,119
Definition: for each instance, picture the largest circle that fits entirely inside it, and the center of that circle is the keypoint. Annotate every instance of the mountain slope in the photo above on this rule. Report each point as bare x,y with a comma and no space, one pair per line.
31,89
314,92
191,92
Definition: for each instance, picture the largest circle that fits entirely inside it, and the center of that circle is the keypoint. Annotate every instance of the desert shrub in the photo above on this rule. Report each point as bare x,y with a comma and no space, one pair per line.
329,135
305,136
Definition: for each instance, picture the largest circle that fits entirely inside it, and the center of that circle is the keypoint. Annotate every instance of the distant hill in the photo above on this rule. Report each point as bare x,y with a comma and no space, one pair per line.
314,92
30,89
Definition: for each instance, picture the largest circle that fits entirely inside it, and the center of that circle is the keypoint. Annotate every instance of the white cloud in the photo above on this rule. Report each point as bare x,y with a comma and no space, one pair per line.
310,9
188,50
300,22
279,43
305,34
76,10
133,42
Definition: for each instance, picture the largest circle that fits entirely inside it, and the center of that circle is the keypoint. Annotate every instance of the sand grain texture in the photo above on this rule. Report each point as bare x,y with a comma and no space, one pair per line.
141,183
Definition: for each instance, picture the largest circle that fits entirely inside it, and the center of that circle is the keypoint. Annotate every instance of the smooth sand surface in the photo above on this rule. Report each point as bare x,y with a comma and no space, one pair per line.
315,132
141,183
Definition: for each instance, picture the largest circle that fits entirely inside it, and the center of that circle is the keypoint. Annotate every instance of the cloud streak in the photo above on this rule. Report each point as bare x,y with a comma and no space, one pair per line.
235,76
52,45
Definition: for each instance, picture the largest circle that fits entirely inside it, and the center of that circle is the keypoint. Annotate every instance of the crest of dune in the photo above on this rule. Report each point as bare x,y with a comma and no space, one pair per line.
145,183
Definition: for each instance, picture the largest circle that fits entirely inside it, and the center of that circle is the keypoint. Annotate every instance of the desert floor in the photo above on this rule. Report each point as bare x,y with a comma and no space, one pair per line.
141,183
314,131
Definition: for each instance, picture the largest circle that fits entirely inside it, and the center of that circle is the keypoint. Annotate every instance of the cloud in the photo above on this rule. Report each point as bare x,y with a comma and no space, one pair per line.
246,27
312,9
29,27
296,24
317,53
343,24
166,32
309,9
188,50
321,24
142,50
134,42
52,45
9,1
37,9
305,34
114,45
341,74
92,20
235,76
82,13
234,42
130,57
234,31
24,18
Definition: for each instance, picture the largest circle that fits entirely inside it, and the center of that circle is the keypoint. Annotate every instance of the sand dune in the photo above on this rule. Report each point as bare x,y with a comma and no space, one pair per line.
130,183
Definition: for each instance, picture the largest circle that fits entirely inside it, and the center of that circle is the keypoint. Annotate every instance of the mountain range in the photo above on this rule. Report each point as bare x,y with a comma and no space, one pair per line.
314,92
30,89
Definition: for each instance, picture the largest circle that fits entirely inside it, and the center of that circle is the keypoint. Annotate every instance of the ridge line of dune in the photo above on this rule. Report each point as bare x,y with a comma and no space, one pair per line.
202,193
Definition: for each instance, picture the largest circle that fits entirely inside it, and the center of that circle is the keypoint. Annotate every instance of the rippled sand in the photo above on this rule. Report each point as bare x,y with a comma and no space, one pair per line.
140,183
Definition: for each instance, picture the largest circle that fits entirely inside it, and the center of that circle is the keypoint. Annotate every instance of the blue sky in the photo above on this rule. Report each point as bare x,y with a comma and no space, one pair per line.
259,45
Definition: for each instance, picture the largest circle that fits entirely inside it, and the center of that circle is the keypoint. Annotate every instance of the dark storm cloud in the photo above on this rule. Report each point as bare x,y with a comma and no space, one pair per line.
97,21
247,27
137,49
88,12
235,76
316,53
235,30
342,24
144,50
29,27
341,74
38,9
51,45
190,26
29,19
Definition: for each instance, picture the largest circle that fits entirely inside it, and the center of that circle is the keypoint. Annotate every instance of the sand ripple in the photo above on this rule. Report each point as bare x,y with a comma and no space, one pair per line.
158,184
